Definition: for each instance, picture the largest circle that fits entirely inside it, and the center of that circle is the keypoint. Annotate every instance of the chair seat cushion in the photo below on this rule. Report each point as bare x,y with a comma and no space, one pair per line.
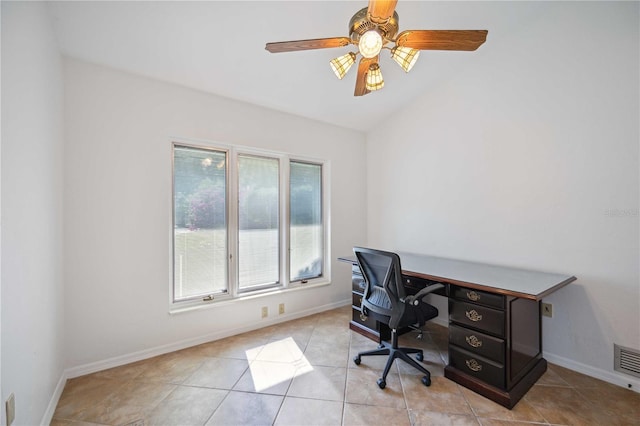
412,314
418,314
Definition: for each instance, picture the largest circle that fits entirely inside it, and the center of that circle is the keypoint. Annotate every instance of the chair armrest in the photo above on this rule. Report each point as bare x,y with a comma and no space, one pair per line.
415,299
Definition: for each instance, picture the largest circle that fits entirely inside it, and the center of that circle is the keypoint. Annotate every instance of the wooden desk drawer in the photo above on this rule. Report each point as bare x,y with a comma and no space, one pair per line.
478,317
369,322
412,285
477,343
476,296
477,366
356,299
358,283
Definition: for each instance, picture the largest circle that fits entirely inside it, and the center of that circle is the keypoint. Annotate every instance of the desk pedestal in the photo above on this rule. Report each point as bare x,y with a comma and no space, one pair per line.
505,398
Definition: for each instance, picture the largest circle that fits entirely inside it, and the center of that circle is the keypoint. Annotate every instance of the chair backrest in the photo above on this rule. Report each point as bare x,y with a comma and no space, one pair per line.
384,289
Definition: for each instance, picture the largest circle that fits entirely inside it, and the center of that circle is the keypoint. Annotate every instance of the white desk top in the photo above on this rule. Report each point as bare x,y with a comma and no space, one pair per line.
496,279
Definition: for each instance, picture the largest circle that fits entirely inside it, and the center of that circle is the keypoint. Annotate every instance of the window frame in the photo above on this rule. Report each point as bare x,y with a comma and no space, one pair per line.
323,217
281,195
233,290
213,295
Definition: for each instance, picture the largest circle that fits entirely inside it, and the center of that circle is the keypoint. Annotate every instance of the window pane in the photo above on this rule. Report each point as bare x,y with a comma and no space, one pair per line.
306,241
258,221
200,222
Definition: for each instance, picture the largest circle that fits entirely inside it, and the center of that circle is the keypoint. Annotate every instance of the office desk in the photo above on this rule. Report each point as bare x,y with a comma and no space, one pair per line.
495,329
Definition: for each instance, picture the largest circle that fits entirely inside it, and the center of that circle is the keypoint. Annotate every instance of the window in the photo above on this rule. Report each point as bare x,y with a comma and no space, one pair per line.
258,222
244,222
200,242
306,231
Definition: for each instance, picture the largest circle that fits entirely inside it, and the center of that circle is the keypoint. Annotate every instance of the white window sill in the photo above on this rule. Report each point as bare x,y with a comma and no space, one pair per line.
227,300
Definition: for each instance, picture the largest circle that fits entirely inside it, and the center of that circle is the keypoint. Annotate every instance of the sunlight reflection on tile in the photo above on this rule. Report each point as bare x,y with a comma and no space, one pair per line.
284,350
278,362
252,353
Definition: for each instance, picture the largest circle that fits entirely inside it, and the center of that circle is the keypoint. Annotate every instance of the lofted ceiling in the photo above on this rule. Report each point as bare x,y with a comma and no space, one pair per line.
219,47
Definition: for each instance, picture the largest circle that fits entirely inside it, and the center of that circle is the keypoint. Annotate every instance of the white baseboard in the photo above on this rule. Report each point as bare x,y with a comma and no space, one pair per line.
53,403
612,377
117,361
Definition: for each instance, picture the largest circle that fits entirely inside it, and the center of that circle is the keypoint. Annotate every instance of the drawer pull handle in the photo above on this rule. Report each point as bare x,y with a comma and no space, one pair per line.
473,315
473,365
363,317
473,341
472,295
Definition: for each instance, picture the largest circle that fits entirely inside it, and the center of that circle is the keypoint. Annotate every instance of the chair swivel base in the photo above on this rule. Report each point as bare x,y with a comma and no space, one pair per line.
393,351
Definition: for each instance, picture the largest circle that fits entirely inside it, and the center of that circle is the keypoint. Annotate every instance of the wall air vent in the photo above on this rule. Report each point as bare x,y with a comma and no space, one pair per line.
626,360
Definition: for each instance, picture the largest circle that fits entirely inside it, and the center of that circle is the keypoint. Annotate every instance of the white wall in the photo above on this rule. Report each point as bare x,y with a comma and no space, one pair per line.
32,287
521,159
118,208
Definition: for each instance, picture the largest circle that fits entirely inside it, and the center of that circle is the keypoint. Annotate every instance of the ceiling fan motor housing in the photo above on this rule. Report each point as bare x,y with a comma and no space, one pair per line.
360,24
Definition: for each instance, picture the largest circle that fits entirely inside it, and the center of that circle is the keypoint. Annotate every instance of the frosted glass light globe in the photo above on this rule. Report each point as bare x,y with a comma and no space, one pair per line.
370,44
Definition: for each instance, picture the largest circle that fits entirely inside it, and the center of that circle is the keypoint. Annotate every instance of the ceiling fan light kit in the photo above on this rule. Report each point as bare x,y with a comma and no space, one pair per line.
370,44
406,57
374,78
342,64
371,29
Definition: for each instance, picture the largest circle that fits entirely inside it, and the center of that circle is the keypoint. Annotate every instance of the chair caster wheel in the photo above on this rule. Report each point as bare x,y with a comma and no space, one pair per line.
426,380
381,383
356,360
420,356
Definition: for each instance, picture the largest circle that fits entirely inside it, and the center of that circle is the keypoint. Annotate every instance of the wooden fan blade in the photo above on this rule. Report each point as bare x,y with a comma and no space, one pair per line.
316,43
379,11
442,39
361,78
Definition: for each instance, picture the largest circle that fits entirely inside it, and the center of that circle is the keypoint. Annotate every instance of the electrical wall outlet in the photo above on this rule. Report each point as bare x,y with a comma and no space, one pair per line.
281,309
547,310
265,312
11,409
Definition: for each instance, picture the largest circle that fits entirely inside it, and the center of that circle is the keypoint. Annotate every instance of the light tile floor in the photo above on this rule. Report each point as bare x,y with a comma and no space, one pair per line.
301,373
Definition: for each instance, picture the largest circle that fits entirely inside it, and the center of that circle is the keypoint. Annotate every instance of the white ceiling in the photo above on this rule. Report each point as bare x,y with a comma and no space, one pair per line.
218,47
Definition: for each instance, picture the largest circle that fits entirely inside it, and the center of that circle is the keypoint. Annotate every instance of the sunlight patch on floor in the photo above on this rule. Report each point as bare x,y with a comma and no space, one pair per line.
277,362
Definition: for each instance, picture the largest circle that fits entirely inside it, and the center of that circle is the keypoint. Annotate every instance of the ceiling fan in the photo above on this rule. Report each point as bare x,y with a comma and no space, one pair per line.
372,29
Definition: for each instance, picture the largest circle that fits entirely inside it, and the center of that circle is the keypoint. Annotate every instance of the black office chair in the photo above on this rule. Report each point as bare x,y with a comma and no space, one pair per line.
385,300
